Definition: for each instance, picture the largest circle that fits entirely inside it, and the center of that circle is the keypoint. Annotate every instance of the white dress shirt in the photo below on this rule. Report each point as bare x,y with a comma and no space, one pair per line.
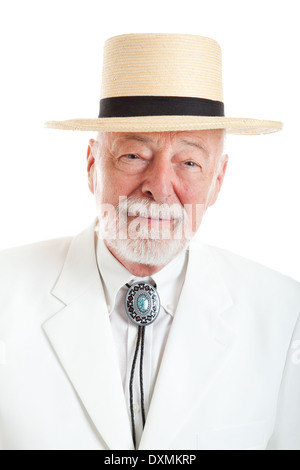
169,282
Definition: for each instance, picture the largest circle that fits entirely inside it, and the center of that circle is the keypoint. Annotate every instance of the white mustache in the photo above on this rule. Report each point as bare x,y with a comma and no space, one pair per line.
138,207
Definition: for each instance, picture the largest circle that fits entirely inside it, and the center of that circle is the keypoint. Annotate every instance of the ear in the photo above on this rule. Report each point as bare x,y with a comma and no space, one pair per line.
219,180
90,166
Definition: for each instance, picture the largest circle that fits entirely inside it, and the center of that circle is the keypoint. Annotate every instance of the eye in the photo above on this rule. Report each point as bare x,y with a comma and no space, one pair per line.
131,163
131,156
193,166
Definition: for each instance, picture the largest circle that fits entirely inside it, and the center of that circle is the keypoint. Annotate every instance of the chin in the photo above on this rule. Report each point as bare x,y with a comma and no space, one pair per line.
147,252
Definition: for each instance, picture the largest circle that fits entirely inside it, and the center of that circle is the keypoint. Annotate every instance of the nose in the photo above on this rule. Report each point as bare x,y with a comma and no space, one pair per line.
158,180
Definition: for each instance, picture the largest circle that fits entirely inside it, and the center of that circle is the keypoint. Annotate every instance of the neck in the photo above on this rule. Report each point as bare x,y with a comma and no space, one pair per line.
137,269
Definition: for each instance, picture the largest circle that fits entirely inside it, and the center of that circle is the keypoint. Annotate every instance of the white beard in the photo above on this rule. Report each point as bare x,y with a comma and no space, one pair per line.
147,252
135,241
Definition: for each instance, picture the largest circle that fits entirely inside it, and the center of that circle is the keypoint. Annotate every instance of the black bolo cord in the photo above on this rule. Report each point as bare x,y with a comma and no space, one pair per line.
140,341
141,375
141,336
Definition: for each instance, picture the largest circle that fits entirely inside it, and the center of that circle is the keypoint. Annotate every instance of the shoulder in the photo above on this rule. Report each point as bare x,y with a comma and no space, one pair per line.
264,300
32,261
27,276
237,267
253,283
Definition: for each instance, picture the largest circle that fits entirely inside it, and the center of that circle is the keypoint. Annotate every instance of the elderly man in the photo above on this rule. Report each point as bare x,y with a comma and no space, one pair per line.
131,335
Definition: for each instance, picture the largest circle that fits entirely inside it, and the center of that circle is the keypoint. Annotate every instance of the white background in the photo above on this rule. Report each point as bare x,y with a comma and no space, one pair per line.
51,61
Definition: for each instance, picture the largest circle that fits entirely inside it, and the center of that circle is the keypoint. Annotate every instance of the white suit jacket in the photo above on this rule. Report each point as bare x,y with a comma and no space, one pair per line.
229,379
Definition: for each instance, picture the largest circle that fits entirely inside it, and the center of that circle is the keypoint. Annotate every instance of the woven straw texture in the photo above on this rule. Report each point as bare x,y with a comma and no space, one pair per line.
164,65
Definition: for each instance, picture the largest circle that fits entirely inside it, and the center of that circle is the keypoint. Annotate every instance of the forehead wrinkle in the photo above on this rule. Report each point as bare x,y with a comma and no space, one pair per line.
152,138
137,137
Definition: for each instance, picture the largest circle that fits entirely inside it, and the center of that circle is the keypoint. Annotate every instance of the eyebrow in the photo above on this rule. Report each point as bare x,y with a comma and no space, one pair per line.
147,140
128,138
197,145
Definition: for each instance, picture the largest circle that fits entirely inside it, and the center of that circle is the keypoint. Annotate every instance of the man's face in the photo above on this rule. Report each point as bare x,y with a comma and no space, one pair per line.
169,179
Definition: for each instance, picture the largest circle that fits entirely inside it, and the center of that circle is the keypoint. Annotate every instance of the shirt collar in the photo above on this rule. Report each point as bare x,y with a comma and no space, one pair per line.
169,282
114,275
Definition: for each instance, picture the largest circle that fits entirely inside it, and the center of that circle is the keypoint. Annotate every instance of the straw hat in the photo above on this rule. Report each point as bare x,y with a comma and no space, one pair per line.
163,82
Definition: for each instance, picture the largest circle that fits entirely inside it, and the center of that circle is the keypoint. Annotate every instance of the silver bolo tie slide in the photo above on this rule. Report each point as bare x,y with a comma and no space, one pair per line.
142,305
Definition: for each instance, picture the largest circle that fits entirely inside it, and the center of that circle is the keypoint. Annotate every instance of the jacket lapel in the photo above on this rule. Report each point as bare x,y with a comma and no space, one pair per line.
200,340
80,334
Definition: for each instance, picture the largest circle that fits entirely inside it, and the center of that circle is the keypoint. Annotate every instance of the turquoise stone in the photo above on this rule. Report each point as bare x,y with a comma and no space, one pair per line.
143,303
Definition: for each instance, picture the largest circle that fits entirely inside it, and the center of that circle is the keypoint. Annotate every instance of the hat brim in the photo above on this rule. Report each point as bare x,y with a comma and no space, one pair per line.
241,126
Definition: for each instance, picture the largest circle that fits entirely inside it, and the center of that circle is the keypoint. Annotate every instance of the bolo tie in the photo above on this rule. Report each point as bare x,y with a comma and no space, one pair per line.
142,306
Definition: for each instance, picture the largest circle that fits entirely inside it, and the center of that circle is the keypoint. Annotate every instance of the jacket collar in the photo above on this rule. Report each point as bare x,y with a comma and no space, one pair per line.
80,334
200,341
201,338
